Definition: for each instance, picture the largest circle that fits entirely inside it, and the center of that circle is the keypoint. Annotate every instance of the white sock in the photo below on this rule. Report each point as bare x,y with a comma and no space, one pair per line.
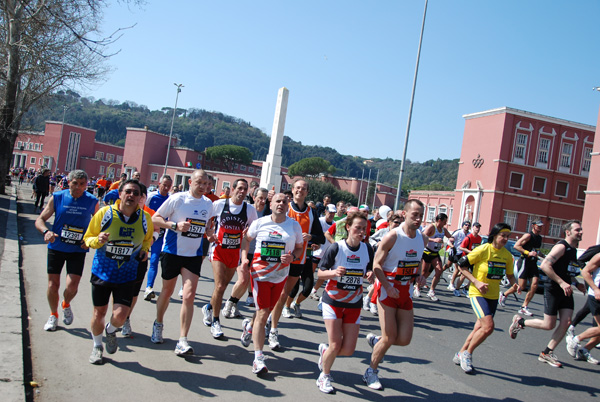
110,328
97,339
258,353
183,340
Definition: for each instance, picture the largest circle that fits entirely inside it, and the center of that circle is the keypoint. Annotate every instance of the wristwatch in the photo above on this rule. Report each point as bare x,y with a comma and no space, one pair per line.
174,226
45,231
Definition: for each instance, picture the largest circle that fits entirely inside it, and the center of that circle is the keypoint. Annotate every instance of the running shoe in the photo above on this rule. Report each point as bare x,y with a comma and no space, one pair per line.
322,348
227,310
274,340
208,318
268,326
259,366
371,379
324,383
149,294
314,295
451,287
180,293
373,308
296,309
67,315
320,304
570,331
525,311
246,335
157,330
549,358
287,312
126,330
51,323
215,329
96,356
372,339
235,312
466,362
416,292
432,296
366,303
502,300
250,301
572,345
515,327
456,358
456,293
464,291
584,354
111,341
183,349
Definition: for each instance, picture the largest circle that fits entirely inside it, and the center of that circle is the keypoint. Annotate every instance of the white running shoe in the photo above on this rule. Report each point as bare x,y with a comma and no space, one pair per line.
366,303
259,366
572,346
96,356
570,331
502,300
287,312
584,354
416,292
372,339
525,311
456,358
51,323
314,295
324,383
432,296
215,329
451,287
157,330
274,340
126,330
322,348
67,315
183,349
373,308
246,337
371,379
208,318
466,362
228,309
181,293
250,301
296,309
320,304
235,312
149,294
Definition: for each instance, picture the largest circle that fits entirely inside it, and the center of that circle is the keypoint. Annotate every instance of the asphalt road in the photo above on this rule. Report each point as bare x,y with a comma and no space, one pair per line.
505,369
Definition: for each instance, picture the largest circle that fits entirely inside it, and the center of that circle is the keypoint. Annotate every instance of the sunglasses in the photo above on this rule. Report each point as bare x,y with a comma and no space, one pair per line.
397,222
135,193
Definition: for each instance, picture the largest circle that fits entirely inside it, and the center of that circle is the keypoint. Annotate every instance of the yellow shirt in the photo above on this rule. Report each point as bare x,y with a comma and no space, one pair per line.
489,266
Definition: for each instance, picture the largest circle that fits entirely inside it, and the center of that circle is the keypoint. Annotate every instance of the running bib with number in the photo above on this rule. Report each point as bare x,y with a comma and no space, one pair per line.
271,251
574,268
231,240
196,230
496,270
352,280
407,270
71,234
119,250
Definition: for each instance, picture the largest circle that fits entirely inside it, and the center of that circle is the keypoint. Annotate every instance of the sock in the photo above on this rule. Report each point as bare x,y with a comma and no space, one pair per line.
97,339
183,340
216,319
110,328
273,330
547,351
65,304
234,300
258,353
522,322
55,314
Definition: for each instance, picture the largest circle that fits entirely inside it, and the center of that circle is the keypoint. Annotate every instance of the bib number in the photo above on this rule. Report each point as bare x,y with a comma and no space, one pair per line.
352,280
231,241
197,228
119,250
71,234
271,251
407,270
574,268
496,270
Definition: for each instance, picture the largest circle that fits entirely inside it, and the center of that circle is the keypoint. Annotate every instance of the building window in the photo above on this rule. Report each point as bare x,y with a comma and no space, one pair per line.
119,158
119,172
511,218
154,176
99,155
443,210
516,180
110,157
226,184
41,147
587,159
531,219
235,166
37,147
450,215
539,185
544,150
32,160
565,156
581,192
243,168
555,228
430,214
101,170
521,146
19,144
258,171
250,169
562,188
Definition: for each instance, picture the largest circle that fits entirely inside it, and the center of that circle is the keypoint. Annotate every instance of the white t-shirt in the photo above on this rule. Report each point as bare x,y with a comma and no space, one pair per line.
184,207
272,241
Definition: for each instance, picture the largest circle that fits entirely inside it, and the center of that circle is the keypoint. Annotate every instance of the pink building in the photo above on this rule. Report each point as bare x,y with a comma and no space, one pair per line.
591,212
437,202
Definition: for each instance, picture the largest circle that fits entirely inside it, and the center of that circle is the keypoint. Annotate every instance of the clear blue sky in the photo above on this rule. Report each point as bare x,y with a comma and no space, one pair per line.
349,65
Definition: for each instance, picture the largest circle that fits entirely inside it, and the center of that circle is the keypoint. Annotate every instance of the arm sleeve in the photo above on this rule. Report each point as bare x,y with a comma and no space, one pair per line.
328,259
371,257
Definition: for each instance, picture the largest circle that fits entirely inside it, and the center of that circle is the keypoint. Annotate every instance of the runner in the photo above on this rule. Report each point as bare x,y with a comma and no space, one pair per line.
279,241
188,214
233,216
561,268
154,201
343,265
455,254
585,309
529,246
74,209
431,255
396,266
122,235
489,262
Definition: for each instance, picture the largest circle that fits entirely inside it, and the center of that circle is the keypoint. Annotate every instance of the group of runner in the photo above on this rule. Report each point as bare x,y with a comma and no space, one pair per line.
275,246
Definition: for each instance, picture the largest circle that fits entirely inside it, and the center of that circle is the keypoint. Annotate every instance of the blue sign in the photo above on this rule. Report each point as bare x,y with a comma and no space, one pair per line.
198,165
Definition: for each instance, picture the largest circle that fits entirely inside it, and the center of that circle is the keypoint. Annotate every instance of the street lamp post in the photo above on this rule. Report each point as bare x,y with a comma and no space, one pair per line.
179,86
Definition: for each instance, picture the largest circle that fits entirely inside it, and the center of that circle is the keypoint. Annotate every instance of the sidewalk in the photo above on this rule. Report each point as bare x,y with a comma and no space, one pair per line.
11,329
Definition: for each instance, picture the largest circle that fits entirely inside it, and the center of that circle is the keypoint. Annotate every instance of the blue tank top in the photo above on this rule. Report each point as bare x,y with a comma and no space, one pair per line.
71,219
154,201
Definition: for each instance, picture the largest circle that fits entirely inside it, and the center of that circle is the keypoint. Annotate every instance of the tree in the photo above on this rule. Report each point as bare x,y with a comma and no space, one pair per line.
230,154
311,167
48,45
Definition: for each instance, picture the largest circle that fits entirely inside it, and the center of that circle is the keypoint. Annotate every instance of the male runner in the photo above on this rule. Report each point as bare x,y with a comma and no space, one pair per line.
561,268
74,209
233,216
456,254
122,235
188,215
396,266
528,245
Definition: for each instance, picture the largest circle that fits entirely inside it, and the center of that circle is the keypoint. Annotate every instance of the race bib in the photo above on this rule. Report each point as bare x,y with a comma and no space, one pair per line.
119,250
197,228
352,280
407,270
574,268
271,251
71,234
231,240
496,270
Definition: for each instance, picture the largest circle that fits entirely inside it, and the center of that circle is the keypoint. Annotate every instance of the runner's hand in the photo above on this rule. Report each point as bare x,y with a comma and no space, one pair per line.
287,258
482,286
566,287
340,271
103,237
50,236
183,226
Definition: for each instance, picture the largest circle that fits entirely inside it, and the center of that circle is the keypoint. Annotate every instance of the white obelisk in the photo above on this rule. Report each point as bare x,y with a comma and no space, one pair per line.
271,169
